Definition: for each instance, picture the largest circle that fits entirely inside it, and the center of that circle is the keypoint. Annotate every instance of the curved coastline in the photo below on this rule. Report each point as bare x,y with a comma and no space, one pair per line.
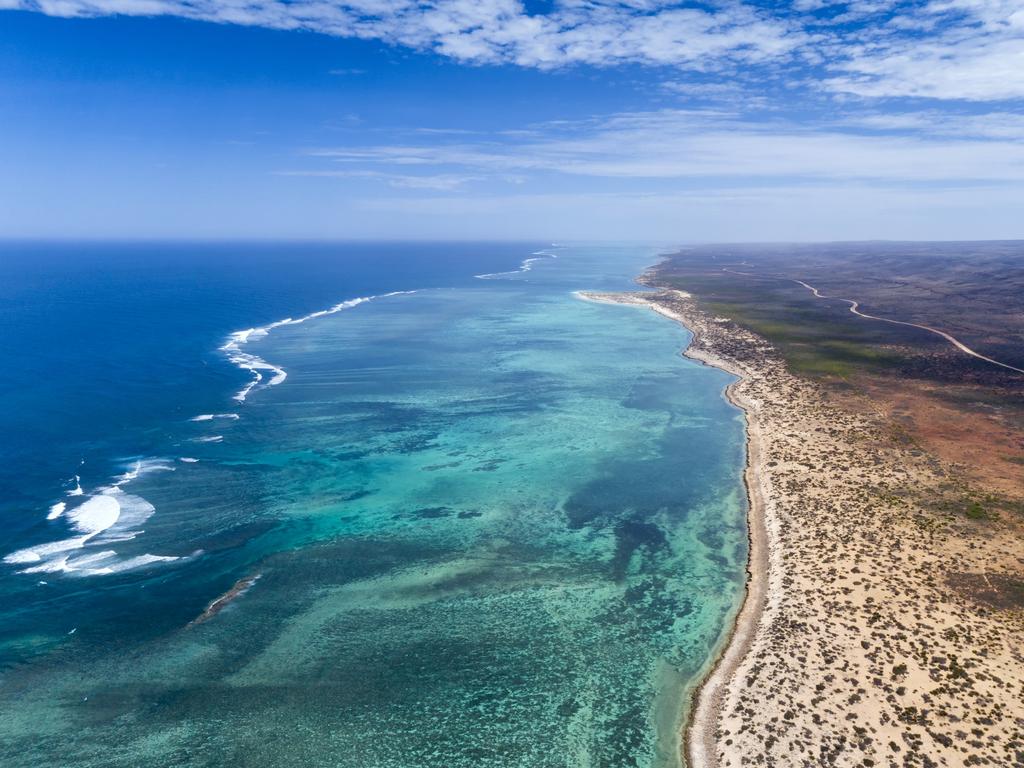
866,561
698,741
698,744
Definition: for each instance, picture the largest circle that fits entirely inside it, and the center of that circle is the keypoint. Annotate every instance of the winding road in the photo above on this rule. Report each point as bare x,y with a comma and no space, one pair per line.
855,309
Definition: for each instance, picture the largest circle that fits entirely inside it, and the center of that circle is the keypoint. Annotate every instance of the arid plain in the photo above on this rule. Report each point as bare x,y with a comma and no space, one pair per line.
884,621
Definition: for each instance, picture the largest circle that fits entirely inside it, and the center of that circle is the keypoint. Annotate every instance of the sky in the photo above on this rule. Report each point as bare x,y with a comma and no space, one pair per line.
496,119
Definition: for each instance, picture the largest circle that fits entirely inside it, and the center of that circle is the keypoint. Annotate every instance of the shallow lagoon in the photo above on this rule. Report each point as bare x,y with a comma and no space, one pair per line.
492,525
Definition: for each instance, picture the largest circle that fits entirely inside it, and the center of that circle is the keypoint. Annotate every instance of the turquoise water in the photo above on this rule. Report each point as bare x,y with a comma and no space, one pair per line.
491,525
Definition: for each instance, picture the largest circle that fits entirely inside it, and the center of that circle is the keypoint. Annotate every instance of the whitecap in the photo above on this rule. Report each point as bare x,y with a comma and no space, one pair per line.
100,563
120,565
109,515
139,468
77,490
42,552
208,439
256,365
90,518
525,266
95,514
212,416
134,511
53,565
87,562
188,460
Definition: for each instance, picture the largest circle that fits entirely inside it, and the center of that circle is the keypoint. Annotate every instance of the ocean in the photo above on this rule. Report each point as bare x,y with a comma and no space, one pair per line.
389,504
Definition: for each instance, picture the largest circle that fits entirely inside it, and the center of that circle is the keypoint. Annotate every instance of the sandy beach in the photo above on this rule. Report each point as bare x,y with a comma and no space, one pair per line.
880,627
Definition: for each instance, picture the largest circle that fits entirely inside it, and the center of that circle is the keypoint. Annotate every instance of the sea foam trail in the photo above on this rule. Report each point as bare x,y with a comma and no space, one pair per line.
106,516
525,266
256,365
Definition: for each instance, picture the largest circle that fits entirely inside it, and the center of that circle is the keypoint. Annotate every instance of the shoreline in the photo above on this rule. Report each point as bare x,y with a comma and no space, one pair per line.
883,623
707,696
697,744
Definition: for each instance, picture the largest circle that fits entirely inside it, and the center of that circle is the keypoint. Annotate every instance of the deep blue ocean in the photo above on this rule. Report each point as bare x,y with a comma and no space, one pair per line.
389,504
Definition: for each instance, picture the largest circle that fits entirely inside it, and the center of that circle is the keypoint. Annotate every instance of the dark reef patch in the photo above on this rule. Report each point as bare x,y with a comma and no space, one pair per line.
631,535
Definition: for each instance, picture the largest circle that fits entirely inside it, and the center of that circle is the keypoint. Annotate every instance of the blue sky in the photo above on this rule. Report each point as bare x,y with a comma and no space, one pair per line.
569,119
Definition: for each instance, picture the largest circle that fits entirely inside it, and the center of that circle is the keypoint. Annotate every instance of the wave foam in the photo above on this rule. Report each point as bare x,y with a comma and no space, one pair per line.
109,514
106,516
90,518
525,266
139,468
98,564
95,514
256,365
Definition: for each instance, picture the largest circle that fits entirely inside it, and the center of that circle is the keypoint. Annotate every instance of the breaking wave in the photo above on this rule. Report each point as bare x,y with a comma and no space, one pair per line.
107,515
525,266
257,366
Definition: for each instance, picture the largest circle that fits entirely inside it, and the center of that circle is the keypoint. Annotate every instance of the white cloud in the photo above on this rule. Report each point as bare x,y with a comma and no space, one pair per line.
989,125
599,32
433,182
982,68
711,144
969,50
939,49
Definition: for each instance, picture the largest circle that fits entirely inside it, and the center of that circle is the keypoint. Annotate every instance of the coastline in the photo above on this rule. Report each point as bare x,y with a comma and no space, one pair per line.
707,698
708,693
884,622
